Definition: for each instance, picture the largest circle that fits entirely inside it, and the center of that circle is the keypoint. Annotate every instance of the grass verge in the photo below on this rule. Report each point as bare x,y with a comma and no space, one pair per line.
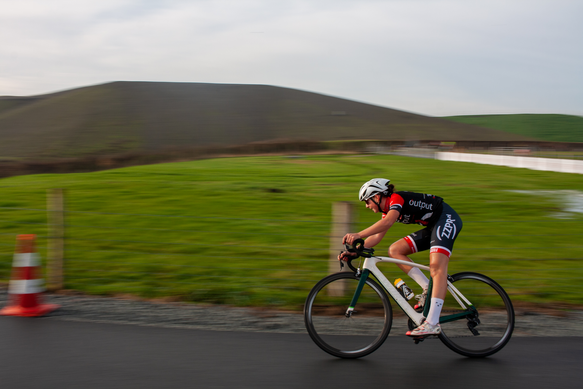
254,231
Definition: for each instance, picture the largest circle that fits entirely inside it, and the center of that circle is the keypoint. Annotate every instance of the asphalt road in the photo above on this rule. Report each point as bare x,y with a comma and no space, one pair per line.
50,353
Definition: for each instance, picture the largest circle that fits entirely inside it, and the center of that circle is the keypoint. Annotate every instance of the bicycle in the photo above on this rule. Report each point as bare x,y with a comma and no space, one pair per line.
349,315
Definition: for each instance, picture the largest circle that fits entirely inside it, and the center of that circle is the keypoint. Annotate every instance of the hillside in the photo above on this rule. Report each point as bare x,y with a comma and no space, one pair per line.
149,116
547,127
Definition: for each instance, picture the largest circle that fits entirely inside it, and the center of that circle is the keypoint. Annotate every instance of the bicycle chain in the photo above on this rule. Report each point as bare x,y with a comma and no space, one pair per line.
451,337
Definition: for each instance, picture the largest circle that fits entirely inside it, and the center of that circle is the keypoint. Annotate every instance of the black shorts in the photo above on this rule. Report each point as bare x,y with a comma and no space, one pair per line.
438,237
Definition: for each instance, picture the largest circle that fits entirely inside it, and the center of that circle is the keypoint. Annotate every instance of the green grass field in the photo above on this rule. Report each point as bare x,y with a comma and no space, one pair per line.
549,127
255,230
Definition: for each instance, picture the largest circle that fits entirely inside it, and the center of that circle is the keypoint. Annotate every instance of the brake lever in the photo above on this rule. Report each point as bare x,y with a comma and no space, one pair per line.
358,248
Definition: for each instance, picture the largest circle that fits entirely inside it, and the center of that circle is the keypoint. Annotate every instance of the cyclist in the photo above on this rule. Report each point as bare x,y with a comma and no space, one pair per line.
441,227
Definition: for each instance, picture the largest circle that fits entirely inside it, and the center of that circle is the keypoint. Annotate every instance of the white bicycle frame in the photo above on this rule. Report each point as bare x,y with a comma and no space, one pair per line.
370,264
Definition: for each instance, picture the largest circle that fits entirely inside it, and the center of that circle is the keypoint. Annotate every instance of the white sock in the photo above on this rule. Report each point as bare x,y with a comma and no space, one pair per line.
417,275
434,311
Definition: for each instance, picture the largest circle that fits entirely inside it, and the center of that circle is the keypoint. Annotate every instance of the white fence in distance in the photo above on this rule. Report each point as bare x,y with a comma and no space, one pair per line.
534,163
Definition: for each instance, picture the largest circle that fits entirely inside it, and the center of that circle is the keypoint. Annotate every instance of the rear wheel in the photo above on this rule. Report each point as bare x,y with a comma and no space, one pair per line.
355,335
489,326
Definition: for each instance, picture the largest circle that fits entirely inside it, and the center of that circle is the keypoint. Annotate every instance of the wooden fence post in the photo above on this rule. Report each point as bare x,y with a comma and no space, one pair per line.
342,223
56,239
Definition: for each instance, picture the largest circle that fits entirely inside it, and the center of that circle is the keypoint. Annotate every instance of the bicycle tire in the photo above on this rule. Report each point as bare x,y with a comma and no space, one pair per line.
347,337
493,322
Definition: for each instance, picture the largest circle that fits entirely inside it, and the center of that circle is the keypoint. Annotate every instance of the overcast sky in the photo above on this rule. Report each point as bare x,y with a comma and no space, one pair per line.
434,57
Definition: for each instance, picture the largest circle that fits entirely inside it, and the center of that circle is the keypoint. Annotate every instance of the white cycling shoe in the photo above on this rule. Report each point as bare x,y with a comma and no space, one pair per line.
421,298
425,329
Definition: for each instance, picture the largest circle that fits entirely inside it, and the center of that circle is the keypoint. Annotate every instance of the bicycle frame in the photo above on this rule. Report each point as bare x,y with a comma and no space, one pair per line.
370,266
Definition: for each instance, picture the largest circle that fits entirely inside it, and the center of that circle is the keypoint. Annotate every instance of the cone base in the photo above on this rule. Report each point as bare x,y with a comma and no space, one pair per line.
39,310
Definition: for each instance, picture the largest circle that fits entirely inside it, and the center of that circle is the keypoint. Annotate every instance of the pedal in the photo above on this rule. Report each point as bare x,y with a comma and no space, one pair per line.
418,339
472,328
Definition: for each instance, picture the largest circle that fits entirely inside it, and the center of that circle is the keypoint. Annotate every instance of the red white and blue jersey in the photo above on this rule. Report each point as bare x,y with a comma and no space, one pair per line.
442,223
415,208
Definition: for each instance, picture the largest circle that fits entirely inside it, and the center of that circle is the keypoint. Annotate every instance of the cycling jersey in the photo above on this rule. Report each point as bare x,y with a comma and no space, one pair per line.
415,208
442,223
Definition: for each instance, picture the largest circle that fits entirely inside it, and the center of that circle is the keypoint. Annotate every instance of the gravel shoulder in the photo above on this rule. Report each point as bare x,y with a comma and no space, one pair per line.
223,318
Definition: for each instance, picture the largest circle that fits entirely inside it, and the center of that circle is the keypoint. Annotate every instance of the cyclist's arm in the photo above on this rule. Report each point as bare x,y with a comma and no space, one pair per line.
376,232
375,239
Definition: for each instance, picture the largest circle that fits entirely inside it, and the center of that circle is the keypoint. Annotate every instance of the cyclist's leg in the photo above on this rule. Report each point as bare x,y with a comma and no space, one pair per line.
438,269
443,236
400,250
411,244
415,242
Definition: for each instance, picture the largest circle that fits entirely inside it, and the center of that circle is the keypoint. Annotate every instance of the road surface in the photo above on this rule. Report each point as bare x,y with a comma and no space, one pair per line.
54,353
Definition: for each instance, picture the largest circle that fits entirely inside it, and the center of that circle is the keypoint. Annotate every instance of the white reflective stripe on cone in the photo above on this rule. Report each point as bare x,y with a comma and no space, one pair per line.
26,286
26,260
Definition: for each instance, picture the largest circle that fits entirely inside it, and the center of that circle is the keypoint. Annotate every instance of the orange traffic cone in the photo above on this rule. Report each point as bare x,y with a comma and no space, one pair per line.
26,284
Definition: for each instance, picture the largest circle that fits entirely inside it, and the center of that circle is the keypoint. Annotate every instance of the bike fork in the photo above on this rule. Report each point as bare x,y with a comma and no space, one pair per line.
361,283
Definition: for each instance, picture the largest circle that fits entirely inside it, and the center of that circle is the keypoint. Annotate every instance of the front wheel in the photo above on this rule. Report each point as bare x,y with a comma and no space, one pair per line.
347,335
486,324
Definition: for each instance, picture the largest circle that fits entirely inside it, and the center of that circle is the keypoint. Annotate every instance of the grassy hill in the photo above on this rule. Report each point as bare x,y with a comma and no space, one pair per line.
148,116
548,127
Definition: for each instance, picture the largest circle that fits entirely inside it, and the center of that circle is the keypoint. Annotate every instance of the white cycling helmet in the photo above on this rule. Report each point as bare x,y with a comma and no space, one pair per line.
373,187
